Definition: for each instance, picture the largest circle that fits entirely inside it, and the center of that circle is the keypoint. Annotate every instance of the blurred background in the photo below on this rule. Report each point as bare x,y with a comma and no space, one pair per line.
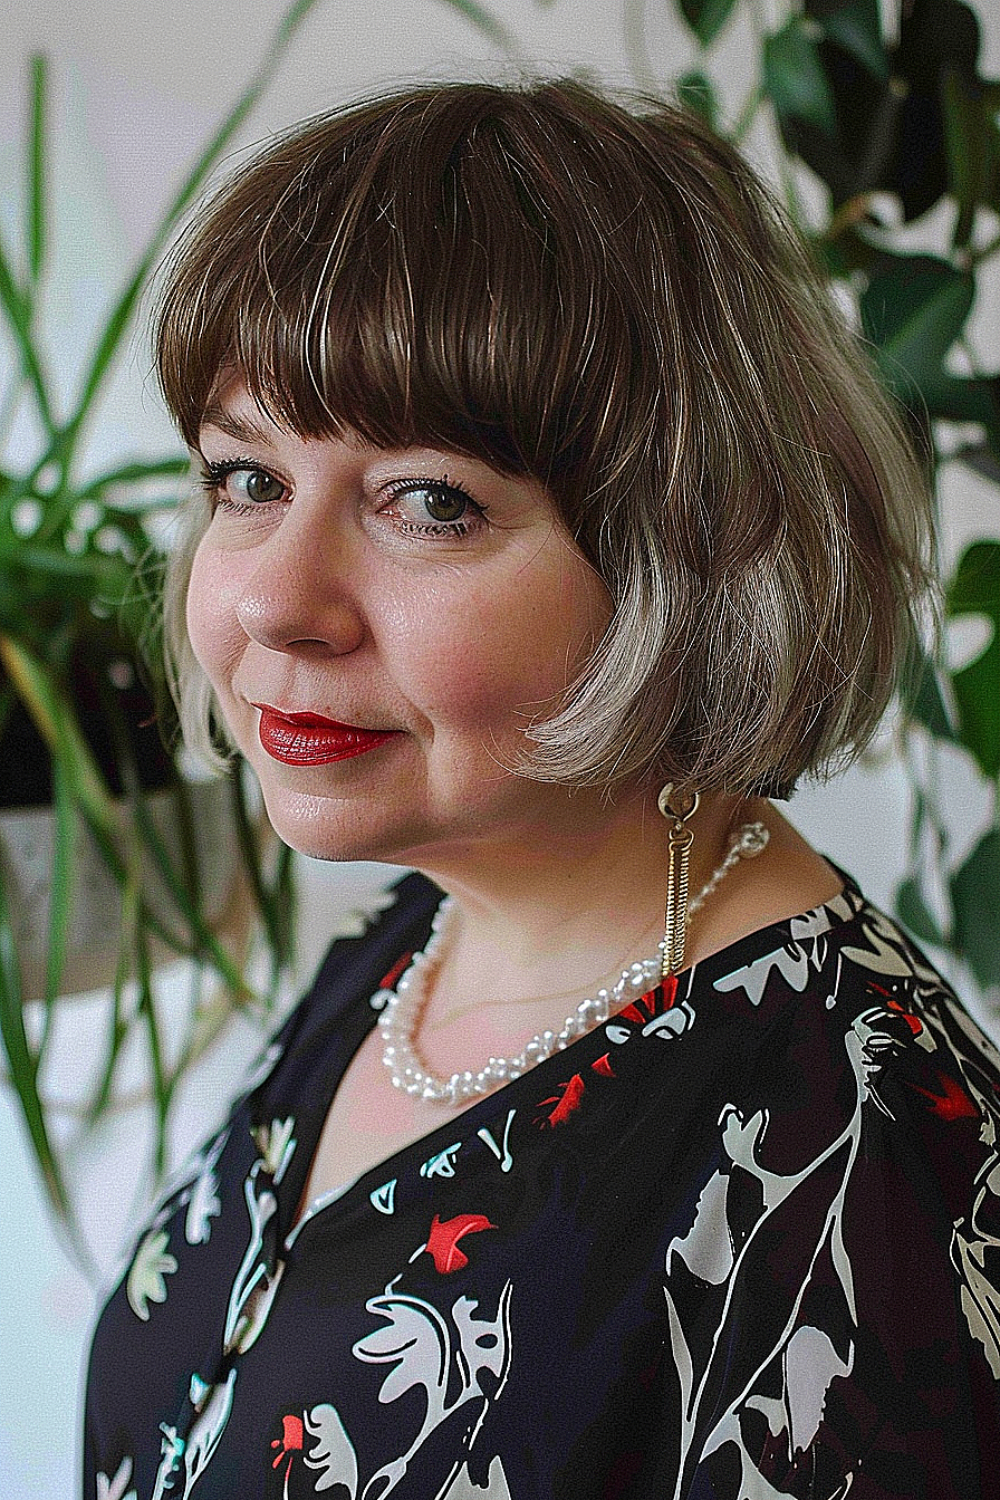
150,933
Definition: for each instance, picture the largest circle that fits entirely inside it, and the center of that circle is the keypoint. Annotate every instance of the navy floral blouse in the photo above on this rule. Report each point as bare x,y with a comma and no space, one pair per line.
741,1242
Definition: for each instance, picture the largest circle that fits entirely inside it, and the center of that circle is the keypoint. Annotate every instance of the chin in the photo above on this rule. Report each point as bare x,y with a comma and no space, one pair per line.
339,829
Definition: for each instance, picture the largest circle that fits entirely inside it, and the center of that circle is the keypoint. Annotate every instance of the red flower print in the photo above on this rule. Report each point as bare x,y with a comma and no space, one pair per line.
384,993
566,1101
653,1003
388,980
603,1066
290,1442
915,1025
953,1103
442,1242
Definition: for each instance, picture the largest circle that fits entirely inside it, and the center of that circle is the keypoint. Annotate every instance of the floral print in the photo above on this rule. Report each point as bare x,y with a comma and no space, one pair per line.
147,1275
740,1243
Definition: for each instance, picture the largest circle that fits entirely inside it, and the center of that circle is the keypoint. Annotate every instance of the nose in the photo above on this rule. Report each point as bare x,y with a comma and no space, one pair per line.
300,595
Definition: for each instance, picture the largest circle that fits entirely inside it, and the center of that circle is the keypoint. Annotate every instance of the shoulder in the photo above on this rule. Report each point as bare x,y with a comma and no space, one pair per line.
353,969
843,998
857,1180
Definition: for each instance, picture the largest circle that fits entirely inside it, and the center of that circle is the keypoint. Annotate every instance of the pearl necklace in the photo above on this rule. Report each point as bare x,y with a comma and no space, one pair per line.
399,1020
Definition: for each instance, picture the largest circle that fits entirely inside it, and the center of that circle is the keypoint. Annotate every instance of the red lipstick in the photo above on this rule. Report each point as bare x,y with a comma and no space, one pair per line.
304,739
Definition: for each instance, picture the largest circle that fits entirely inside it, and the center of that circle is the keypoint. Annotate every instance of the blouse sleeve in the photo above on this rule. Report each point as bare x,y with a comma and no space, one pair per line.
834,1307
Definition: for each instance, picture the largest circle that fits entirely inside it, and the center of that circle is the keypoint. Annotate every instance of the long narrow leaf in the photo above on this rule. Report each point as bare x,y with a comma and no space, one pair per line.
184,821
487,24
24,1064
161,1085
17,311
58,728
36,235
135,473
93,566
117,1024
204,943
121,314
60,892
246,836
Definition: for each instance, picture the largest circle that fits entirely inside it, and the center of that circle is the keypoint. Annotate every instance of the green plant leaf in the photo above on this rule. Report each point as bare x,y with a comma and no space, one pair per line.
914,310
695,92
967,398
117,1024
204,944
970,136
981,459
148,1015
60,886
856,27
35,196
975,590
110,339
706,18
920,689
488,24
794,79
137,472
37,690
272,901
23,1064
912,909
18,315
975,894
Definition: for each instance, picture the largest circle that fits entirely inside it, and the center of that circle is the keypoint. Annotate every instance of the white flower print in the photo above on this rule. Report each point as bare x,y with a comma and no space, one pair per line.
204,1437
204,1204
114,1489
253,1289
792,963
146,1280
418,1340
332,1452
276,1144
810,1363
442,1164
716,1390
461,1487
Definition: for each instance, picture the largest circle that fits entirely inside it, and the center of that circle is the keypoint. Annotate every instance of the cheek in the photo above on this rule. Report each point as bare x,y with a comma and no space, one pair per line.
505,657
210,612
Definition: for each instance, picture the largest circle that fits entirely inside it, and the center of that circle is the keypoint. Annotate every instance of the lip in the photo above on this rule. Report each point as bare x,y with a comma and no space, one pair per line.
308,739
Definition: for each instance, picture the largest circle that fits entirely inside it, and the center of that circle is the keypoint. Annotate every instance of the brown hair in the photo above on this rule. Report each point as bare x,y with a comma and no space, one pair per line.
607,299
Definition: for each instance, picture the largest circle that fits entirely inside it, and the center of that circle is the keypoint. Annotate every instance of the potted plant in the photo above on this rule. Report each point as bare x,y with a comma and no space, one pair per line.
887,113
110,857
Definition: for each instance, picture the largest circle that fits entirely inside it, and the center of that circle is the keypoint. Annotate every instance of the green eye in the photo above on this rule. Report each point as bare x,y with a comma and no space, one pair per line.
444,503
261,487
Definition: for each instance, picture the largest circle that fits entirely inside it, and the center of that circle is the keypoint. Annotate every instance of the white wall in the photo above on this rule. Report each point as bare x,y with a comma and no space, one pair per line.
136,90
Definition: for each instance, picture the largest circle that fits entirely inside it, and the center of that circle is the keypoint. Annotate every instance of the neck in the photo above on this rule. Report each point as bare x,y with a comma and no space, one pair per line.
556,915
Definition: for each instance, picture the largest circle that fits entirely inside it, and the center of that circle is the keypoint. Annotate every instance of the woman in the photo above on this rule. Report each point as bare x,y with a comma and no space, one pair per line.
551,525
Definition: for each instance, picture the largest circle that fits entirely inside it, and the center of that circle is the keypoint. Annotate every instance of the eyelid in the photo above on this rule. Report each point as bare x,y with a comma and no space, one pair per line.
215,472
396,488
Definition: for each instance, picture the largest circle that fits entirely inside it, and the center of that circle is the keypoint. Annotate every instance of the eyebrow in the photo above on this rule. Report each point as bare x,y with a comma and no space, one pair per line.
242,429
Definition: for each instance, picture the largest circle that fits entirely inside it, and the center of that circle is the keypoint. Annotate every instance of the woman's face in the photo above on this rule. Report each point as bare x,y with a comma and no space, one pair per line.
380,628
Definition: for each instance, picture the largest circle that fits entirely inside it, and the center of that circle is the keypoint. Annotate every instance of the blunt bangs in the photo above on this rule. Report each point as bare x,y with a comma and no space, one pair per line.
415,276
602,297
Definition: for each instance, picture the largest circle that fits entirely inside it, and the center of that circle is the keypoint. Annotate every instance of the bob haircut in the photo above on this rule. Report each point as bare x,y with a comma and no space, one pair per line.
601,296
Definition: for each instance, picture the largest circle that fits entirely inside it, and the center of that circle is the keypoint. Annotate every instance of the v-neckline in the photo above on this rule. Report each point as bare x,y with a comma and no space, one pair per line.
840,910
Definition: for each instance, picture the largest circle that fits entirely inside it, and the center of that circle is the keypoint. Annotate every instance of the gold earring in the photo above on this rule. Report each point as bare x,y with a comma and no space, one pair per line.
677,812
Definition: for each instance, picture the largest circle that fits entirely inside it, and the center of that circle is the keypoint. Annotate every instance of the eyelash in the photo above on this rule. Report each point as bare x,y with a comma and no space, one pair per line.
214,476
213,480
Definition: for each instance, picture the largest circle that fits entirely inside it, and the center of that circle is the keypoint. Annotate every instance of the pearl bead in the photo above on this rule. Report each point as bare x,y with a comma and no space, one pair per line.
400,1016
